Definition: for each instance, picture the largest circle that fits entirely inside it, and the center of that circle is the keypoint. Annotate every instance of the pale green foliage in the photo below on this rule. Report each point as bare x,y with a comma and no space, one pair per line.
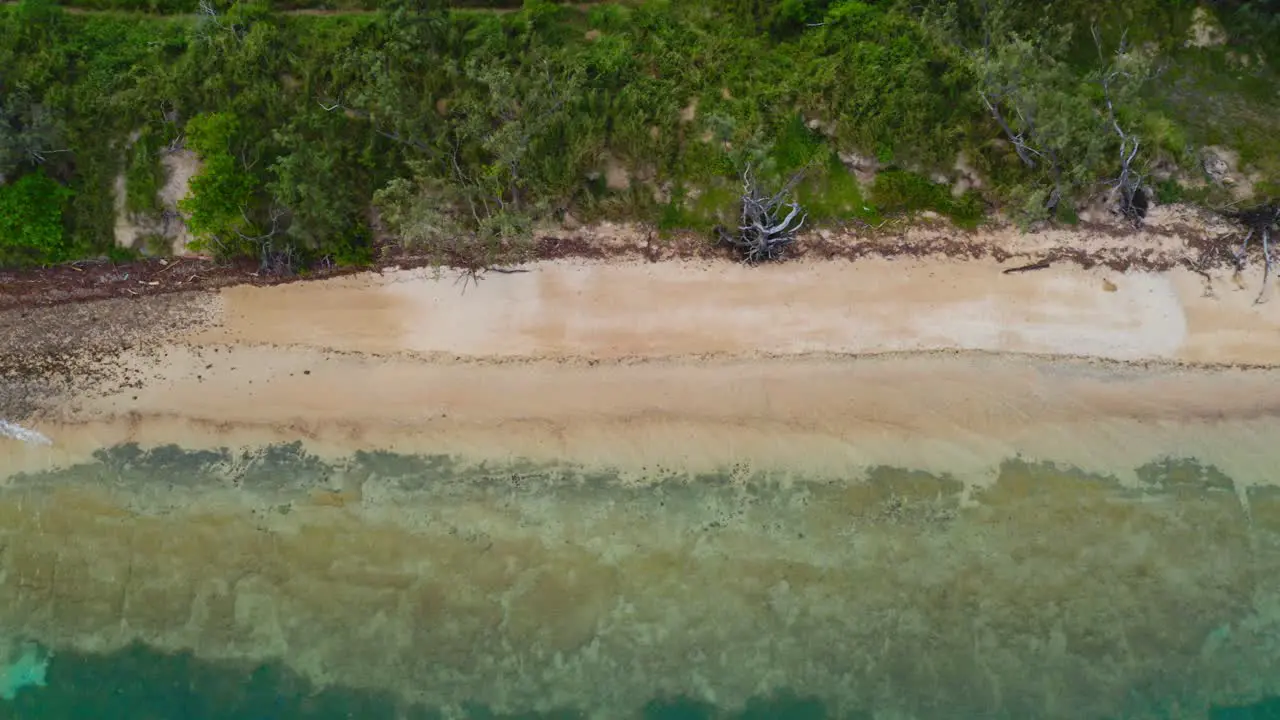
1057,121
222,191
515,121
425,214
412,210
504,155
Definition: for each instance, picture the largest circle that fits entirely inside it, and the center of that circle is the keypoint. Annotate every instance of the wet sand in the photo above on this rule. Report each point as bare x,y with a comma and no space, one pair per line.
912,487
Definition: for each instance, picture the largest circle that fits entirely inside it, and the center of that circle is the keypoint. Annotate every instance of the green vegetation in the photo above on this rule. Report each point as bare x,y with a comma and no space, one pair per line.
222,186
458,130
899,191
31,220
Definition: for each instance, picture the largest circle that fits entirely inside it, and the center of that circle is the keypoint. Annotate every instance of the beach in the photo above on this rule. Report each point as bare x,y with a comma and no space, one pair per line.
905,487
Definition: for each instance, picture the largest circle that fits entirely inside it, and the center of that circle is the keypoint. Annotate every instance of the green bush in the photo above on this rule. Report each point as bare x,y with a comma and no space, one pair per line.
897,191
31,221
490,122
221,193
144,176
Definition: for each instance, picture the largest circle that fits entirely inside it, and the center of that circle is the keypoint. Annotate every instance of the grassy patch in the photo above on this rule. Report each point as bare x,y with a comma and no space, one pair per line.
1211,97
900,191
831,194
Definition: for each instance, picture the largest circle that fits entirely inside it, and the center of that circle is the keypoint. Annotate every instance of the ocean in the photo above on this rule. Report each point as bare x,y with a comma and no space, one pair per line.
158,583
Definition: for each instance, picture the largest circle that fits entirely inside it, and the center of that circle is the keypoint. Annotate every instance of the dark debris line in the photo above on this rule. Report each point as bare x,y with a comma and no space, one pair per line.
101,279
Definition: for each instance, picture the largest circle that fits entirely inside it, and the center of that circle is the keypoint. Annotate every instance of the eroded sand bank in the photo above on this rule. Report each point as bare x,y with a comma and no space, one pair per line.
881,484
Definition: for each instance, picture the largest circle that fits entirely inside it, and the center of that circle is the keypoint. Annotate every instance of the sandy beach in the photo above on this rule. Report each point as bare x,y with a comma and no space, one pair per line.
1027,490
835,366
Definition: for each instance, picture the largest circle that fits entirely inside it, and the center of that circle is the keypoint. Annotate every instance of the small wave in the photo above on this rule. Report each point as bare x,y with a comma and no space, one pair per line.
17,432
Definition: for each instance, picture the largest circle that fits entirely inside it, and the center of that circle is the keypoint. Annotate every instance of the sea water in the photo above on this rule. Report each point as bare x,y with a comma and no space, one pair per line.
268,583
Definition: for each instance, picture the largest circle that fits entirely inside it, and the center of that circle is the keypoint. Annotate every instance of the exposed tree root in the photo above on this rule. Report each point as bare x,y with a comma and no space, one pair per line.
1260,221
764,233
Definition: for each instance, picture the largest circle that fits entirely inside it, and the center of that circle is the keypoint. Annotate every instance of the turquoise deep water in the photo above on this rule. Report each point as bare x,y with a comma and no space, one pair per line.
1088,597
141,684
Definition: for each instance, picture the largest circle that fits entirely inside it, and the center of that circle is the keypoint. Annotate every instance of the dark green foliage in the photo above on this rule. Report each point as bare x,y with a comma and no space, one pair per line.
466,128
313,161
27,131
31,221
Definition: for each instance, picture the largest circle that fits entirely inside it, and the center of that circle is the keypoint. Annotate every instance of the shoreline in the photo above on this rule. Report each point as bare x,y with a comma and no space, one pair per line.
820,419
1172,237
664,480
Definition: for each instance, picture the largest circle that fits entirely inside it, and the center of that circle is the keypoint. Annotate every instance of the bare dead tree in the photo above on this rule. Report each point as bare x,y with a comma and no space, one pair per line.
277,254
1021,145
1007,101
1132,201
764,232
1260,221
208,11
209,22
996,92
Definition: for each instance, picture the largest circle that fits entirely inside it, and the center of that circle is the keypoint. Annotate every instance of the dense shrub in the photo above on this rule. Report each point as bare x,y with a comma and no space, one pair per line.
222,191
476,125
31,221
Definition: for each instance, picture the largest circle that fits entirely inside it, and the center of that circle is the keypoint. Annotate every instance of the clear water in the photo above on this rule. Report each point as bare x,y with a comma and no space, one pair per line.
1048,593
141,684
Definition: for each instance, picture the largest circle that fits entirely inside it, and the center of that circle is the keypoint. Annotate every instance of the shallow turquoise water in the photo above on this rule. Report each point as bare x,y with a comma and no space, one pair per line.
143,683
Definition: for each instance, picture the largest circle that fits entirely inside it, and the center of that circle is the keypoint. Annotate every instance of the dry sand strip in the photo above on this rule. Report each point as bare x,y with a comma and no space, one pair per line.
681,309
824,366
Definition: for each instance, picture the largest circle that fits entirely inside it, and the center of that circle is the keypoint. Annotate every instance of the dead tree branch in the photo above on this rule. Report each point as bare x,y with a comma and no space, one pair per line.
1020,145
1266,262
276,255
1132,202
1007,101
764,232
1260,221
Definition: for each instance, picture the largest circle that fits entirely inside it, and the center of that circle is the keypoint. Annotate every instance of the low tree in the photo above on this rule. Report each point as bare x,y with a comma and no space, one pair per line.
479,186
222,191
222,206
314,159
31,231
28,132
1066,128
